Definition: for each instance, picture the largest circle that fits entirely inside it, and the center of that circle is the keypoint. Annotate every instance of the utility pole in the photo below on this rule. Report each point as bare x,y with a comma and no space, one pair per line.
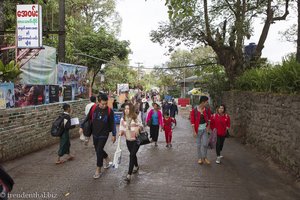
62,32
139,64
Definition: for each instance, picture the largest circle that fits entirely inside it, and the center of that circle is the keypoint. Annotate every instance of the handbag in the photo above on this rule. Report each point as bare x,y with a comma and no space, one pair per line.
117,155
87,127
213,139
149,123
227,134
143,138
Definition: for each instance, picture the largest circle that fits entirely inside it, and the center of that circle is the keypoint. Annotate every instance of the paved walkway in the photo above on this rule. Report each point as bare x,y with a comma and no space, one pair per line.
164,173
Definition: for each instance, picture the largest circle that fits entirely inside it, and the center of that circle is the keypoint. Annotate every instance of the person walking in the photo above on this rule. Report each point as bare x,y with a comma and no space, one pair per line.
65,144
86,112
200,120
102,120
154,120
144,106
6,184
173,109
221,122
130,126
168,128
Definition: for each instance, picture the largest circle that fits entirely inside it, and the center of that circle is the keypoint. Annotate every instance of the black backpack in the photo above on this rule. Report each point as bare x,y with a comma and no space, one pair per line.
57,128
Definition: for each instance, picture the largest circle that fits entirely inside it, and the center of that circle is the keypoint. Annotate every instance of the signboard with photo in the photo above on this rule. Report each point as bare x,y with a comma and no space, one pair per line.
29,95
74,75
51,94
7,97
121,88
67,93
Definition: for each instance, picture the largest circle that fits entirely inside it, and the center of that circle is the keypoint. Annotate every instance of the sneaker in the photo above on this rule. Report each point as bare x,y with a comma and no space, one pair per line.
107,165
221,156
206,161
200,162
135,169
170,145
218,161
167,145
82,138
156,144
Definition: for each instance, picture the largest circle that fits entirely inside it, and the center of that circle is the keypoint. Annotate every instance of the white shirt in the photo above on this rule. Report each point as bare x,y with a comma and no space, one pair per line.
88,107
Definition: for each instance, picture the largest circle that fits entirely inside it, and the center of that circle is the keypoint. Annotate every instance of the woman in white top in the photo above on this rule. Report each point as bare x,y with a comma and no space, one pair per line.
130,127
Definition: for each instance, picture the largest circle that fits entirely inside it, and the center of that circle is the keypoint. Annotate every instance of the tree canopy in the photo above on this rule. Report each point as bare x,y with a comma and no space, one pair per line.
222,25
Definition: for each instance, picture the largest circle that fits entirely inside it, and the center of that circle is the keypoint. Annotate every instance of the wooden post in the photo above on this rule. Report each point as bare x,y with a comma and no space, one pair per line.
62,33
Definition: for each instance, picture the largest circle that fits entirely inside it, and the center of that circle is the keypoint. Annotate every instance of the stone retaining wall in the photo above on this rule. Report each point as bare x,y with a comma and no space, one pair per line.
270,122
25,130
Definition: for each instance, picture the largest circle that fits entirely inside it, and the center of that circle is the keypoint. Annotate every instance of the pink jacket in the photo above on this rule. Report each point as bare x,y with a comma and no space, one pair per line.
160,118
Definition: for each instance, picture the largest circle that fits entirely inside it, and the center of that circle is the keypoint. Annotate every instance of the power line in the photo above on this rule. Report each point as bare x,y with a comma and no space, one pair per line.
170,68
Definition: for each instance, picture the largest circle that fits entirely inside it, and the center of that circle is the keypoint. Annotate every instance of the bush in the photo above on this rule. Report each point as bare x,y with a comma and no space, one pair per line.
278,79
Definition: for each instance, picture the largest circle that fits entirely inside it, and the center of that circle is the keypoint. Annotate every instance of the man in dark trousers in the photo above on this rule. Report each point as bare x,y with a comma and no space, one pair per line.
173,109
102,123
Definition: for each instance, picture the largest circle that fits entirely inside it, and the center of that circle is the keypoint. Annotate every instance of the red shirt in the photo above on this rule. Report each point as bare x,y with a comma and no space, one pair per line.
221,123
196,121
168,124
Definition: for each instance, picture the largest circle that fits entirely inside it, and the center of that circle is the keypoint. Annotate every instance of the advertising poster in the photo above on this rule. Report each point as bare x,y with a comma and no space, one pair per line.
51,94
66,93
121,88
7,96
74,75
29,95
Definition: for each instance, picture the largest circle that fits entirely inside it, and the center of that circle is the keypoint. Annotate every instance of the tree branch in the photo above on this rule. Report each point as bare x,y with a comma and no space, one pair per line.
230,7
283,17
208,31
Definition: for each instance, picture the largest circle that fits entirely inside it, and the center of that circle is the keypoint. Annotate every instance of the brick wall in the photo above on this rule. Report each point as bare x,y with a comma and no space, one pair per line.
25,130
270,122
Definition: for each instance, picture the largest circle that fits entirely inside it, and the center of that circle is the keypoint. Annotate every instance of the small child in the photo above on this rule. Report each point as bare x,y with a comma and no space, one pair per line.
168,128
64,146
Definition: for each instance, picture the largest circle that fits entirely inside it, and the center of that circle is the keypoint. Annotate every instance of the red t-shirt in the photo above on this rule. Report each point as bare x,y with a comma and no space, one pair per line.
168,124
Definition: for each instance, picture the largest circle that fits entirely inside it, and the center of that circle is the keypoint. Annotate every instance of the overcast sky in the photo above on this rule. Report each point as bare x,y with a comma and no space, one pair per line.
140,17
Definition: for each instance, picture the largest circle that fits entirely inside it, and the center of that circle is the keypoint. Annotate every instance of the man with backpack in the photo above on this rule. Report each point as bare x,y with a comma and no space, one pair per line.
64,146
102,122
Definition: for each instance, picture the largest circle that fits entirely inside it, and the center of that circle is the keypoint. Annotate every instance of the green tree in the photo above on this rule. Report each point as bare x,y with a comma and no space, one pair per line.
193,21
104,47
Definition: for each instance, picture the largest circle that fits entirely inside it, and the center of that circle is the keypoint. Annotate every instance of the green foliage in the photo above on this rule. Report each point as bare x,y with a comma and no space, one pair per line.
116,72
214,81
9,72
278,79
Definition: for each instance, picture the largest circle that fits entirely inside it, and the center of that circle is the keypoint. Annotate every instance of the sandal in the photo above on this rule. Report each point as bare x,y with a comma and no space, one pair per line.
71,158
96,176
59,162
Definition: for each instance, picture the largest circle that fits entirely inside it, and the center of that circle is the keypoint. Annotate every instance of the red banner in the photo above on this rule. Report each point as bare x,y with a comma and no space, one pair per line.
183,102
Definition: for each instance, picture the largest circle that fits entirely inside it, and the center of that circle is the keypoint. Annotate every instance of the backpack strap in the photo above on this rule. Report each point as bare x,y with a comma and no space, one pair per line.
92,111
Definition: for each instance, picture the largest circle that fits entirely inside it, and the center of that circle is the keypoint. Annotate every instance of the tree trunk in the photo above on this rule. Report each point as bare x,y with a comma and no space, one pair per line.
1,21
298,33
231,61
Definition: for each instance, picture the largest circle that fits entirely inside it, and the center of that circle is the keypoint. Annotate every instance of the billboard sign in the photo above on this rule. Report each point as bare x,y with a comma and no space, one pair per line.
29,26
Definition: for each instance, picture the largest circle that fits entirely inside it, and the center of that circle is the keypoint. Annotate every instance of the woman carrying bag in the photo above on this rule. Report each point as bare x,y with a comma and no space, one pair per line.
154,120
221,123
130,126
